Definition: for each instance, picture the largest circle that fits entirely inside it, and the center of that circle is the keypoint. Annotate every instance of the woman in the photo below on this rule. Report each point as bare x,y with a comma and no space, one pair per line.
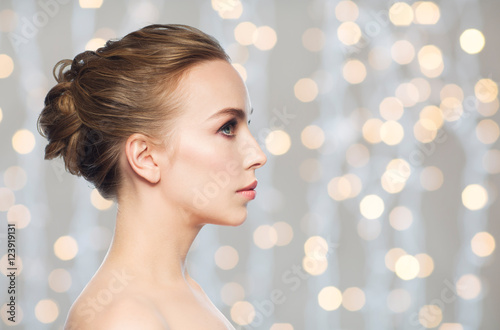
158,122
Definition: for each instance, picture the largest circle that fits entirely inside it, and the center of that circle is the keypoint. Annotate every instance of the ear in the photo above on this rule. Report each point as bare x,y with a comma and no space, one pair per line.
142,157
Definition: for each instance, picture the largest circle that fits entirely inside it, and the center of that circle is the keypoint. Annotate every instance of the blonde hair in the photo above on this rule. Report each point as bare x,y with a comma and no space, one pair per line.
126,87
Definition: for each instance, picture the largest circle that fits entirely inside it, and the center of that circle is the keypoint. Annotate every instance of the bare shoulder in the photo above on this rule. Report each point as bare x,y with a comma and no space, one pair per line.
129,312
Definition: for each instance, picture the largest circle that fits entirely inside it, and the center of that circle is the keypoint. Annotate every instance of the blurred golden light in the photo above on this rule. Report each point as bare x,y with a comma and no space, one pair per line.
426,12
310,170
408,94
349,33
95,43
314,265
346,11
371,206
226,257
452,90
392,256
491,161
429,114
353,299
98,201
400,168
4,264
281,326
23,141
407,267
483,244
6,66
265,236
313,39
312,137
65,247
474,197
243,33
451,326
433,73
90,3
391,108
278,142
400,218
488,109
426,265
379,58
392,182
242,312
20,215
264,37
401,14
228,9
423,88
284,232
8,20
15,177
339,188
305,90
430,316
316,247
391,132
371,130
4,314
60,280
357,155
231,293
7,199
354,71
355,184
487,131
472,41
430,57
369,229
468,286
46,311
399,300
403,52
431,178
330,298
241,70
451,108
486,90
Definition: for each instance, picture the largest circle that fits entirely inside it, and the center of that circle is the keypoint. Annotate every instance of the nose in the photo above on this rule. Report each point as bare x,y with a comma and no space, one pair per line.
254,156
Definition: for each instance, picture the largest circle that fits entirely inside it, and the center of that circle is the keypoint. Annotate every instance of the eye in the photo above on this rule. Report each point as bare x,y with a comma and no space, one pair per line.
228,128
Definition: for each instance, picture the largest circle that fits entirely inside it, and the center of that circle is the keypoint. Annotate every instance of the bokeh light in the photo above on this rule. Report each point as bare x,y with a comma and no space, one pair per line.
403,52
284,232
346,11
472,41
391,108
242,312
474,197
483,244
399,300
487,131
468,286
6,66
353,299
408,94
423,88
7,199
430,316
451,326
491,161
226,257
60,280
400,218
281,326
357,155
371,206
313,39
349,33
265,236
98,201
314,265
391,132
305,90
330,298
371,130
19,215
426,12
5,315
431,178
431,62
264,37
5,264
312,137
23,141
231,293
228,9
489,108
278,142
46,311
426,264
354,72
486,90
243,33
95,43
407,267
15,177
392,256
369,229
316,247
65,247
90,3
401,14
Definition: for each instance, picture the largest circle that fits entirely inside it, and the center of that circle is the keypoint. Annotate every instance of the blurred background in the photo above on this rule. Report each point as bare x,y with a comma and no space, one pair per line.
376,209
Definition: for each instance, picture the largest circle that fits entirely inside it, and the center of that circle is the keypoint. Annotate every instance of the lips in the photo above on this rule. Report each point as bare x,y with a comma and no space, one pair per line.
251,186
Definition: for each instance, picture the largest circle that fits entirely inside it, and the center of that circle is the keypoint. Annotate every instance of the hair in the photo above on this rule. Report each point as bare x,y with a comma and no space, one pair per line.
128,86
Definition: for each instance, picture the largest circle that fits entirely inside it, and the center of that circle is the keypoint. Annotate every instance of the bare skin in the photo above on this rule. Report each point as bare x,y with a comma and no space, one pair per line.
168,194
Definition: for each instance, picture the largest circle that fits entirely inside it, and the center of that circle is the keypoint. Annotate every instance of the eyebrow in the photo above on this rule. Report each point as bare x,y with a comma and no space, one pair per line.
239,113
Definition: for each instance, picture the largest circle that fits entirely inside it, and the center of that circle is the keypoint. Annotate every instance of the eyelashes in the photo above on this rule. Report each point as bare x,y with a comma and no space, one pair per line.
228,128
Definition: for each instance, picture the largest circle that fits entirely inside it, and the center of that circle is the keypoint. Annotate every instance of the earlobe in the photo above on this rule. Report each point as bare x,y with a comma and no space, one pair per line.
141,158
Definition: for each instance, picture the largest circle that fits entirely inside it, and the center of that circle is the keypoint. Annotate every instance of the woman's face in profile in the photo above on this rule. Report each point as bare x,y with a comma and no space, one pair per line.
215,155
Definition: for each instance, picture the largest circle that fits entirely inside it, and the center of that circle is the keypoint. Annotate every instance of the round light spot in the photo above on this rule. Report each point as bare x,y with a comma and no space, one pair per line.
391,132
349,33
265,236
400,218
487,131
433,114
369,229
99,202
343,187
95,43
391,108
330,298
392,256
314,265
226,257
483,244
452,90
451,326
19,215
312,137
407,267
313,39
401,14
228,9
468,286
46,311
392,182
371,130
403,52
399,300
5,263
243,33
8,22
316,247
488,109
426,12
90,3
423,87
425,130
474,197
23,141
264,37
430,316
346,11
472,41
431,178
65,248
354,72
231,293
284,232
310,170
6,66
371,206
486,90
353,299
7,199
426,265
305,90
491,161
281,326
357,155
278,142
430,57
1,115
15,177
5,315
408,94
242,312
60,280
